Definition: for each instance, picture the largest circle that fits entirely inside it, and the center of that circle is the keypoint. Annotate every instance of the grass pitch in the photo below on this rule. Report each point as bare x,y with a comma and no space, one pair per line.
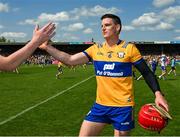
35,103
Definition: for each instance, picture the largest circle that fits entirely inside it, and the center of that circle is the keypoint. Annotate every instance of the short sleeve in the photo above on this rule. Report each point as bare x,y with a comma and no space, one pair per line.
135,54
89,52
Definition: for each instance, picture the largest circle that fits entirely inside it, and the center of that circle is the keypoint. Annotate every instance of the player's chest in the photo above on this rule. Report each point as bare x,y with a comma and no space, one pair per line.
116,54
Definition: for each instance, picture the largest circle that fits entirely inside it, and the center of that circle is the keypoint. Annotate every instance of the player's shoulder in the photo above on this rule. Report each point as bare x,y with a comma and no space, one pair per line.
127,44
98,45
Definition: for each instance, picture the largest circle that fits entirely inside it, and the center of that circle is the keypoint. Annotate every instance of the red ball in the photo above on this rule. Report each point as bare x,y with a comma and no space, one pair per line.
149,118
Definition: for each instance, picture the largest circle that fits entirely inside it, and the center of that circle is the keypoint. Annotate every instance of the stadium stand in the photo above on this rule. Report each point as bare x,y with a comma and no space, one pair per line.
146,48
159,47
69,47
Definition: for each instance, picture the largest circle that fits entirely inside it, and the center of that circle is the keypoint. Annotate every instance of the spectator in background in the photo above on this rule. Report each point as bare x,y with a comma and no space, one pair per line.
59,70
12,61
173,66
154,64
163,61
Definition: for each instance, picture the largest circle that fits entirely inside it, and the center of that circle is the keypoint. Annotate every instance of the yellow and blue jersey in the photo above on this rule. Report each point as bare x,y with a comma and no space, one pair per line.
113,69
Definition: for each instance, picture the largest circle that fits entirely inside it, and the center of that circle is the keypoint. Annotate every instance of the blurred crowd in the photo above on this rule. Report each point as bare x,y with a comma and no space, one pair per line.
160,62
153,61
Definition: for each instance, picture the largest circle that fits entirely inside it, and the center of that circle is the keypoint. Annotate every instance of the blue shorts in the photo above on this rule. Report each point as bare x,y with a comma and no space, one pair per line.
121,118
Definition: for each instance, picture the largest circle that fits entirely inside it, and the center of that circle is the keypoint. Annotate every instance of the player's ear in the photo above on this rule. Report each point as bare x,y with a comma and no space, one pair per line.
118,27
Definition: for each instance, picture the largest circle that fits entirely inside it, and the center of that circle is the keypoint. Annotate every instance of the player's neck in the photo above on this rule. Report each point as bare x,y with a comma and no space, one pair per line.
112,41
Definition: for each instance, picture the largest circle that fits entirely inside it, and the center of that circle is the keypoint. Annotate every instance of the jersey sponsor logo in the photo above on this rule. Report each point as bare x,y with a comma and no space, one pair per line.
109,74
113,69
109,66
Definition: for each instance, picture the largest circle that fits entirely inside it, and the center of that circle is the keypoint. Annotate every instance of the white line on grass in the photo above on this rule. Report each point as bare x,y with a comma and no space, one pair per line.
42,102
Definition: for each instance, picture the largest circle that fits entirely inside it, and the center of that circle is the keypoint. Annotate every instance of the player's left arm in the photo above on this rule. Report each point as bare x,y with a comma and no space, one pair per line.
152,82
148,75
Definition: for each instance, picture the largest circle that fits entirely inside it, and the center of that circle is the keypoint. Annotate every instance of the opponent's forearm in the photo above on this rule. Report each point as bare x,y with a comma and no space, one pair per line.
15,59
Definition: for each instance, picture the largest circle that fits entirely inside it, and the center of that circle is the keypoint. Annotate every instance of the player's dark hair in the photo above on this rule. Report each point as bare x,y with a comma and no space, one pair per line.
115,18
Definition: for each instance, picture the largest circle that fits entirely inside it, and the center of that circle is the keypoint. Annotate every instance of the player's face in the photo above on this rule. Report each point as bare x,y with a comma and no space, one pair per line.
109,28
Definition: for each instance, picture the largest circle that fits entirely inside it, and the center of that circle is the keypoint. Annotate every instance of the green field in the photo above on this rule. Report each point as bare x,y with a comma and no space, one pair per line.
35,103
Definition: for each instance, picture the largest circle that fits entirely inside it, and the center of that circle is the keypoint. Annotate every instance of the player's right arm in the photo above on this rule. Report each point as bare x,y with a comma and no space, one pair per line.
65,58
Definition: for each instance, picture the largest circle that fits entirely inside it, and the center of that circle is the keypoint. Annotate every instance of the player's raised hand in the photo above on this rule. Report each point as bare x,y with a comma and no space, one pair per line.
40,35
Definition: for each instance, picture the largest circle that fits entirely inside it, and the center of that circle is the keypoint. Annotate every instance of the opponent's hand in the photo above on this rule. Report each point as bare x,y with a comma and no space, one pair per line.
43,34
